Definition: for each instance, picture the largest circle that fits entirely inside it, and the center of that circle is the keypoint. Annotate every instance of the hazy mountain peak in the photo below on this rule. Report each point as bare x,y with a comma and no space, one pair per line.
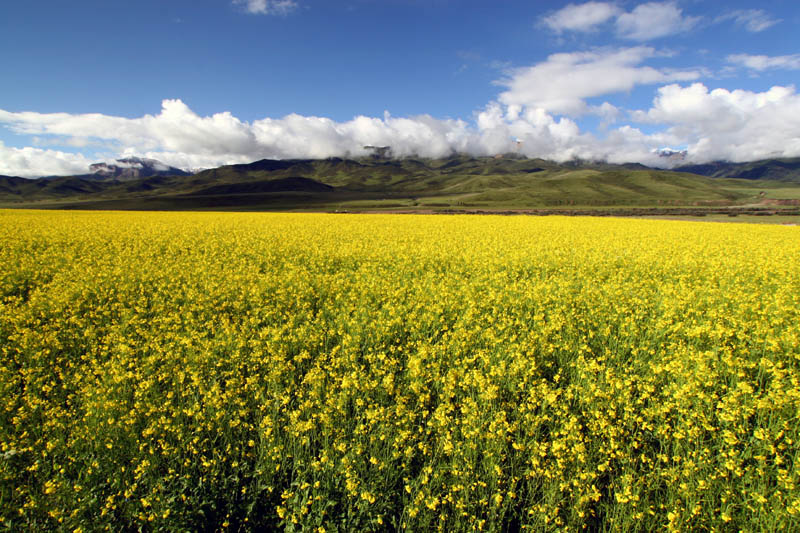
131,168
672,155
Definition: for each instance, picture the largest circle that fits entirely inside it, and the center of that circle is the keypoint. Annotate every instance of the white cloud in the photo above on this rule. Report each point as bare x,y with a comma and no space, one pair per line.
713,124
732,125
563,82
541,135
761,62
753,20
29,162
179,137
316,137
187,161
581,17
536,107
268,7
176,128
647,21
654,20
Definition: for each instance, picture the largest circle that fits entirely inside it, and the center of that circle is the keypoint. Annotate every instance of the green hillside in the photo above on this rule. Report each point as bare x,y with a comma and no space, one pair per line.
787,169
459,182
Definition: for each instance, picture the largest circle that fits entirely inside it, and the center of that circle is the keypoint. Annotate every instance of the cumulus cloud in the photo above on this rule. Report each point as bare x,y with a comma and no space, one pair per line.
753,20
540,134
734,125
563,82
535,114
268,7
647,21
761,62
654,20
317,137
29,162
713,124
580,17
176,128
180,137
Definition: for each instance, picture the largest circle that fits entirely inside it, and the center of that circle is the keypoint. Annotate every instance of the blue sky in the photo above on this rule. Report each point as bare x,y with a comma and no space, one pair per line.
208,82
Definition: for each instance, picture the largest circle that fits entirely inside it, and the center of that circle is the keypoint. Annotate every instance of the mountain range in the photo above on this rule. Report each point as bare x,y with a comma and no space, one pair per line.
460,182
768,169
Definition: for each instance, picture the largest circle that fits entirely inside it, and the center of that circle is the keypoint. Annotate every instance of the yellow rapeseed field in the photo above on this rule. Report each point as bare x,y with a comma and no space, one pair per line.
212,371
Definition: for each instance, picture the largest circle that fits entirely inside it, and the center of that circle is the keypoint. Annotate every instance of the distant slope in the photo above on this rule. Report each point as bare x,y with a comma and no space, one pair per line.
293,184
10,184
457,182
49,187
767,169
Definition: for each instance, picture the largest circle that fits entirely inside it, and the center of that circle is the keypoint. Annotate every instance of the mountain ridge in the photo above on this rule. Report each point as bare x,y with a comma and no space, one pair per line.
456,182
778,169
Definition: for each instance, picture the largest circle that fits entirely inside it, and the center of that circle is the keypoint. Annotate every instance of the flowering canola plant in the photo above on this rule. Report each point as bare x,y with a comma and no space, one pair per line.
315,372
